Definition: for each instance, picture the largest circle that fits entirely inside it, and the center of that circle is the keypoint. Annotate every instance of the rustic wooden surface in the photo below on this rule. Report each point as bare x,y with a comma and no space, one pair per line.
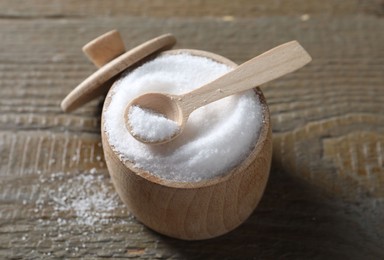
325,197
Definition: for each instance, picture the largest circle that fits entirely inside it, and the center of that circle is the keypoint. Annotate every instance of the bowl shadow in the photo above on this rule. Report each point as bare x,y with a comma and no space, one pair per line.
294,220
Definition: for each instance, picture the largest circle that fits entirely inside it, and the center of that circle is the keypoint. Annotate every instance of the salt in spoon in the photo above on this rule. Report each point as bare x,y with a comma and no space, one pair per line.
268,66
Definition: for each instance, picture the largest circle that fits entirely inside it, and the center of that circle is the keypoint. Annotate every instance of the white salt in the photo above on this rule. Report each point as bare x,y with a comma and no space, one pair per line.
151,126
87,196
216,138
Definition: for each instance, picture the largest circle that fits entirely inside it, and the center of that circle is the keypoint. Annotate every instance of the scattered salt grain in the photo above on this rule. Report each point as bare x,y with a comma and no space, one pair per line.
151,126
216,137
304,17
89,196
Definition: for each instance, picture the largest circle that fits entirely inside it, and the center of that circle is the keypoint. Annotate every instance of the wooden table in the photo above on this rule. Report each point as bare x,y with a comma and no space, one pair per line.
325,197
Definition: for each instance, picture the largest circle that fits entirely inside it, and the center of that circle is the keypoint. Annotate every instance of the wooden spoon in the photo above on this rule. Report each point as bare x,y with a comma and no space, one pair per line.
268,66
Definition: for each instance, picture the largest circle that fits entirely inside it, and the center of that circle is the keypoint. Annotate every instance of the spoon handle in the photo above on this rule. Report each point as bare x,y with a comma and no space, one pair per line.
268,66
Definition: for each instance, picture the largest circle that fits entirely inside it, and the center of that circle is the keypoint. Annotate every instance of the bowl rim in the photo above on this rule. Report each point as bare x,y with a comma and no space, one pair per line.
234,172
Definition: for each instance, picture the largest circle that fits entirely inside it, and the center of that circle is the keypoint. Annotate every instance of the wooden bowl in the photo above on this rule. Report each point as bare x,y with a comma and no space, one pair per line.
194,210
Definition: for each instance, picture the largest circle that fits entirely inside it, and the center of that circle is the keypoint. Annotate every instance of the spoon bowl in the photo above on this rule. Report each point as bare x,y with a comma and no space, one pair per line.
161,104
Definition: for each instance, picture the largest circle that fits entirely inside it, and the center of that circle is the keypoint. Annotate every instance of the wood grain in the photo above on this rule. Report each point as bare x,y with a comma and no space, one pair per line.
185,8
325,195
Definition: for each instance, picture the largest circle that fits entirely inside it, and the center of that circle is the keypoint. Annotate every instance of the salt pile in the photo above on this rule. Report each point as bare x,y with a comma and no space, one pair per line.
216,137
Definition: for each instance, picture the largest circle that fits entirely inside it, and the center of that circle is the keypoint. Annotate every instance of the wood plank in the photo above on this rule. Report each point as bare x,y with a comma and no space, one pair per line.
325,198
184,8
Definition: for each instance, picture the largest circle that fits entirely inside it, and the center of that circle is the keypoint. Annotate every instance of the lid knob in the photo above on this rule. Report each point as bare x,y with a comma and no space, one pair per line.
104,48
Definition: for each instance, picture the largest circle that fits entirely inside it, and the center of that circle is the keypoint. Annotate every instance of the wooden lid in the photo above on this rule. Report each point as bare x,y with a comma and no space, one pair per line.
107,52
